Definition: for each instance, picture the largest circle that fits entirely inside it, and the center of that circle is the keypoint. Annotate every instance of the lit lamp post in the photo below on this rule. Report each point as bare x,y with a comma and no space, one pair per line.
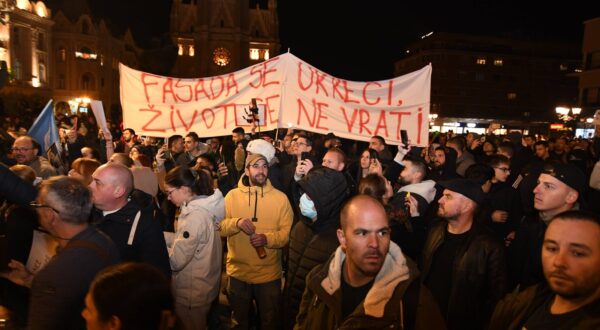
569,116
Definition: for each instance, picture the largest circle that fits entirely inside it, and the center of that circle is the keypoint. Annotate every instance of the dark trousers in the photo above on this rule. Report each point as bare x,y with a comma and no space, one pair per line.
268,301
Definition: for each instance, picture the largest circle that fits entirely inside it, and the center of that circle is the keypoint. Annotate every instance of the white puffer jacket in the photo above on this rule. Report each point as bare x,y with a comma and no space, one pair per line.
196,252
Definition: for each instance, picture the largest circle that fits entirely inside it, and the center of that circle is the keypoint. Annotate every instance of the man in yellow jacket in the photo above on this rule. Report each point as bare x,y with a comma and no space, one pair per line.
257,224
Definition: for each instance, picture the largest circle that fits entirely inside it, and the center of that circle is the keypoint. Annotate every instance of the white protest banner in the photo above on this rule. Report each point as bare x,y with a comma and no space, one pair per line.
98,110
162,106
288,92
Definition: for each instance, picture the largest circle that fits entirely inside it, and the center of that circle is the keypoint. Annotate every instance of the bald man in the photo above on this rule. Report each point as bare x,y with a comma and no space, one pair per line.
367,283
126,216
25,150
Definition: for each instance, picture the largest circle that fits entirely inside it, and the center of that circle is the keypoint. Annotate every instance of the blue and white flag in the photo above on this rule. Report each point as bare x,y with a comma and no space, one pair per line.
45,132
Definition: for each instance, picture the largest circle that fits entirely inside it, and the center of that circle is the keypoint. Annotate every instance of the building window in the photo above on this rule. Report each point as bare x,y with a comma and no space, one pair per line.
257,54
61,81
590,95
85,28
563,67
101,60
479,76
480,61
180,51
87,82
41,42
42,72
593,60
511,96
498,62
86,54
191,51
62,54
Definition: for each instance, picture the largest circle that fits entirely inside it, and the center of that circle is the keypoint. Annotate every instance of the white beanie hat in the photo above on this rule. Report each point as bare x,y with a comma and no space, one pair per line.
260,146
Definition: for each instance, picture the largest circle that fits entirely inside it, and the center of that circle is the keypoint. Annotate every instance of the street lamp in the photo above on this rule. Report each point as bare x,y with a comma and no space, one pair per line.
569,116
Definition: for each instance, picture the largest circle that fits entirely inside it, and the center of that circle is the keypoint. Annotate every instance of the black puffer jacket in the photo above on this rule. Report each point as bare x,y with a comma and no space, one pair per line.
312,243
479,278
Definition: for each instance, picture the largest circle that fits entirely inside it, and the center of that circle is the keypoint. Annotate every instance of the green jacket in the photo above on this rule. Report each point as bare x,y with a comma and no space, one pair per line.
384,306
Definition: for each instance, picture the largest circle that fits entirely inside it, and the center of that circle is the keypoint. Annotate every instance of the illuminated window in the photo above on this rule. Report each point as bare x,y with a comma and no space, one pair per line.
564,67
498,62
86,54
180,51
191,51
511,96
480,61
266,56
42,72
254,54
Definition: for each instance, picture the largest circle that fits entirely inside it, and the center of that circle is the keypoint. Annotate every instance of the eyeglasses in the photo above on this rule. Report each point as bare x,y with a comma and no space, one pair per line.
38,206
301,144
503,169
169,192
20,149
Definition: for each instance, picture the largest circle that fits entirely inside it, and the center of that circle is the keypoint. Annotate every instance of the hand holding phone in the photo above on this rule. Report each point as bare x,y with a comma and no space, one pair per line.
404,138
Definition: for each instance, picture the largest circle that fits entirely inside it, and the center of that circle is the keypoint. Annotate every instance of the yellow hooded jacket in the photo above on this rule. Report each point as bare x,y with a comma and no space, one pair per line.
275,217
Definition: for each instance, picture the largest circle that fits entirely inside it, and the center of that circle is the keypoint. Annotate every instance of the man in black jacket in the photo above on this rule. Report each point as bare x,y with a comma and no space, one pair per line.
571,297
463,265
126,216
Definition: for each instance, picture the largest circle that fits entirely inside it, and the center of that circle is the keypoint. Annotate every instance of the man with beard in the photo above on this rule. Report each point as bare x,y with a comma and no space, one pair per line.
367,283
462,264
257,224
128,140
570,297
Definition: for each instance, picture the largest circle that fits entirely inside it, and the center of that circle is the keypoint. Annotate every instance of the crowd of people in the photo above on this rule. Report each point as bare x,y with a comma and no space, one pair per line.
312,231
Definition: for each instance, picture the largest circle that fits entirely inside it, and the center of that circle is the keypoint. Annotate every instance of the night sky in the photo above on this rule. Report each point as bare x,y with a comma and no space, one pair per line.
360,40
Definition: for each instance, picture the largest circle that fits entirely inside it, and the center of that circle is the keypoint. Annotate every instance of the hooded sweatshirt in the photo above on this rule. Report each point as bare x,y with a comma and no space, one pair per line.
274,219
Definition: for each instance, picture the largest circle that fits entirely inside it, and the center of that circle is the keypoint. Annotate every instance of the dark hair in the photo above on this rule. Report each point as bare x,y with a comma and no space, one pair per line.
309,141
136,293
372,185
458,141
144,160
199,182
238,130
479,173
496,160
194,136
172,140
542,143
578,215
130,131
70,197
381,139
373,154
417,164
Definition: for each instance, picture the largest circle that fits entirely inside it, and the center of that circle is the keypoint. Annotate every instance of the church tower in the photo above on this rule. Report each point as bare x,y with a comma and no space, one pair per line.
215,37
